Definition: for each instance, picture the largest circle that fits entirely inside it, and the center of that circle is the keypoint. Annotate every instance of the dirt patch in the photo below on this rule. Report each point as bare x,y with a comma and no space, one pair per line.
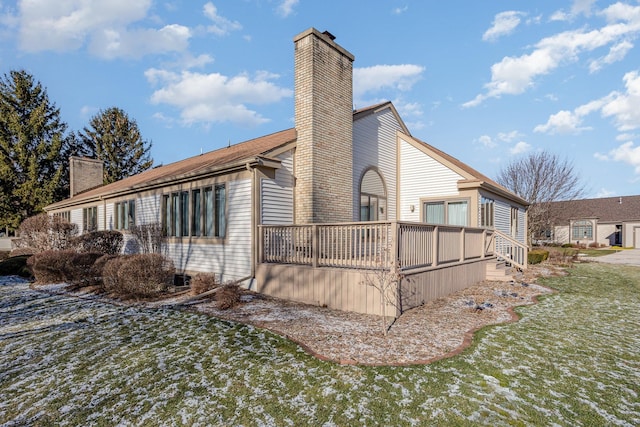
438,329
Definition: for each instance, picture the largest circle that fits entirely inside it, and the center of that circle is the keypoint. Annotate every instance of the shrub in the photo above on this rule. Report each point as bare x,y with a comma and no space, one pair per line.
23,251
228,297
140,275
79,269
594,245
203,282
567,245
565,256
43,232
536,256
4,255
149,237
111,280
49,266
104,241
15,266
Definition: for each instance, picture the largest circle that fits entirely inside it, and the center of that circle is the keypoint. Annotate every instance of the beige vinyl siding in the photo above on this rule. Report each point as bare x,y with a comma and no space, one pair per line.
374,144
76,218
502,218
277,194
111,220
231,260
421,176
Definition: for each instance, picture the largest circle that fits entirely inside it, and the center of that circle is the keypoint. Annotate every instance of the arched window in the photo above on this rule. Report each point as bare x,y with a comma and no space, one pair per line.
373,197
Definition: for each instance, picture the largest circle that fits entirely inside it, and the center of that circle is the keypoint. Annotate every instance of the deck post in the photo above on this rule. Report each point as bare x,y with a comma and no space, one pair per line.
315,245
260,244
462,247
484,243
434,248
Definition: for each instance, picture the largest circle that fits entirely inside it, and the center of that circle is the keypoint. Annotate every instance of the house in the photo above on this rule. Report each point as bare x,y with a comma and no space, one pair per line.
609,221
305,213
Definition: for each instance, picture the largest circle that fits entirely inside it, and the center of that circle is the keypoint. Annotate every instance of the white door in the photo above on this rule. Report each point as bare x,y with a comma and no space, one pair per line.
636,237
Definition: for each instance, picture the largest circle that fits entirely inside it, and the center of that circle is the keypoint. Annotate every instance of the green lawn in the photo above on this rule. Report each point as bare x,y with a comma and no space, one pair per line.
573,359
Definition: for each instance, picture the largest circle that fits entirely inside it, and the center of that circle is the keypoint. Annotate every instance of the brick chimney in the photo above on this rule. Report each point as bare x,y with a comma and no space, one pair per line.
84,174
324,124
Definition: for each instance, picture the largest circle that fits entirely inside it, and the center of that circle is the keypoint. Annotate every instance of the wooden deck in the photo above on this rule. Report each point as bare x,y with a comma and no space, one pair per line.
335,265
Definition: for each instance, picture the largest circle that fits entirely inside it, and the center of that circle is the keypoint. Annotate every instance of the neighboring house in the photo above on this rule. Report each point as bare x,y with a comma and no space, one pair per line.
260,210
609,221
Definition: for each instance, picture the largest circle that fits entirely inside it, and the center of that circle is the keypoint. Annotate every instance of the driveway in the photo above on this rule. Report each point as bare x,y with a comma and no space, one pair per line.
628,257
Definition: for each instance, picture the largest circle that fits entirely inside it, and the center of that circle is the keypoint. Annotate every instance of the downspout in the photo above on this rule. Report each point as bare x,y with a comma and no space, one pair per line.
254,228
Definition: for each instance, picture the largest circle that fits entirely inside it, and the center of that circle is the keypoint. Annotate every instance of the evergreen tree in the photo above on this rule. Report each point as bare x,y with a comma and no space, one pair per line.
34,149
115,139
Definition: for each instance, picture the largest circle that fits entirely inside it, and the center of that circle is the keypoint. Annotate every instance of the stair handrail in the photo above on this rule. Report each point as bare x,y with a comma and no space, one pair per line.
511,250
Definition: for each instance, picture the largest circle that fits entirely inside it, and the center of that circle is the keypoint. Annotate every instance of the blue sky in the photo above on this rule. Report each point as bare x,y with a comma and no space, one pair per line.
485,81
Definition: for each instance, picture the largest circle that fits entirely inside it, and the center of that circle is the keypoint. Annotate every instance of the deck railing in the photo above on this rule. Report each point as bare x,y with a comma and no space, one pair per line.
373,245
509,249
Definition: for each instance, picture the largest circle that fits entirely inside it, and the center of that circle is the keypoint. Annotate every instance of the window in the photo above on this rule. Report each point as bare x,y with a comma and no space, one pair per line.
582,230
446,212
66,215
220,209
514,222
201,212
486,212
125,213
373,197
90,219
196,213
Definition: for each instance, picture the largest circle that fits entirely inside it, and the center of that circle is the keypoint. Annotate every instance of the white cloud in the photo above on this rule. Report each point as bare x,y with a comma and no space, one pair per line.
625,107
626,153
398,77
519,148
104,26
110,44
504,23
603,192
221,25
487,142
400,10
516,74
582,7
509,136
616,53
209,98
563,122
286,7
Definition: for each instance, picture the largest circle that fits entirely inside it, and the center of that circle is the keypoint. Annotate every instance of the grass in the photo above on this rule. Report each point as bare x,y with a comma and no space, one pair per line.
573,359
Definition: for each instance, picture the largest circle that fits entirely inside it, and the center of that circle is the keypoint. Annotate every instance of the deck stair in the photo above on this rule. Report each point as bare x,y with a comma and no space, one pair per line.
499,271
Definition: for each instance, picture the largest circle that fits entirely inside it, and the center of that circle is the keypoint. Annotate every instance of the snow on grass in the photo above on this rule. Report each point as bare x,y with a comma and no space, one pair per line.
572,359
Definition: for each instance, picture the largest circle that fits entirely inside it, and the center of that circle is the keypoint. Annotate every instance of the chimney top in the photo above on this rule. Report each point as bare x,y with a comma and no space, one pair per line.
328,34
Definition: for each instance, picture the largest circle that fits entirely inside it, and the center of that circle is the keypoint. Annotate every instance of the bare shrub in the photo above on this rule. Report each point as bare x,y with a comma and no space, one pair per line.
79,269
111,280
44,232
49,266
203,282
103,241
562,256
149,237
22,252
140,275
97,271
228,297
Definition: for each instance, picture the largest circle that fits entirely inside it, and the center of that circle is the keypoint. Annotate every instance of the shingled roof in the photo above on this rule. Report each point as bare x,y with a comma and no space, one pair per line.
212,162
608,209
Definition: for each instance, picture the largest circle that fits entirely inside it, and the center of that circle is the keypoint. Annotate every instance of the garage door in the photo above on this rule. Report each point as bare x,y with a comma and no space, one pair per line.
636,237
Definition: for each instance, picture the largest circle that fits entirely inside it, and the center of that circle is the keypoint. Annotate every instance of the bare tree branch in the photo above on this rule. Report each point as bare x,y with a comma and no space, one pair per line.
541,178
